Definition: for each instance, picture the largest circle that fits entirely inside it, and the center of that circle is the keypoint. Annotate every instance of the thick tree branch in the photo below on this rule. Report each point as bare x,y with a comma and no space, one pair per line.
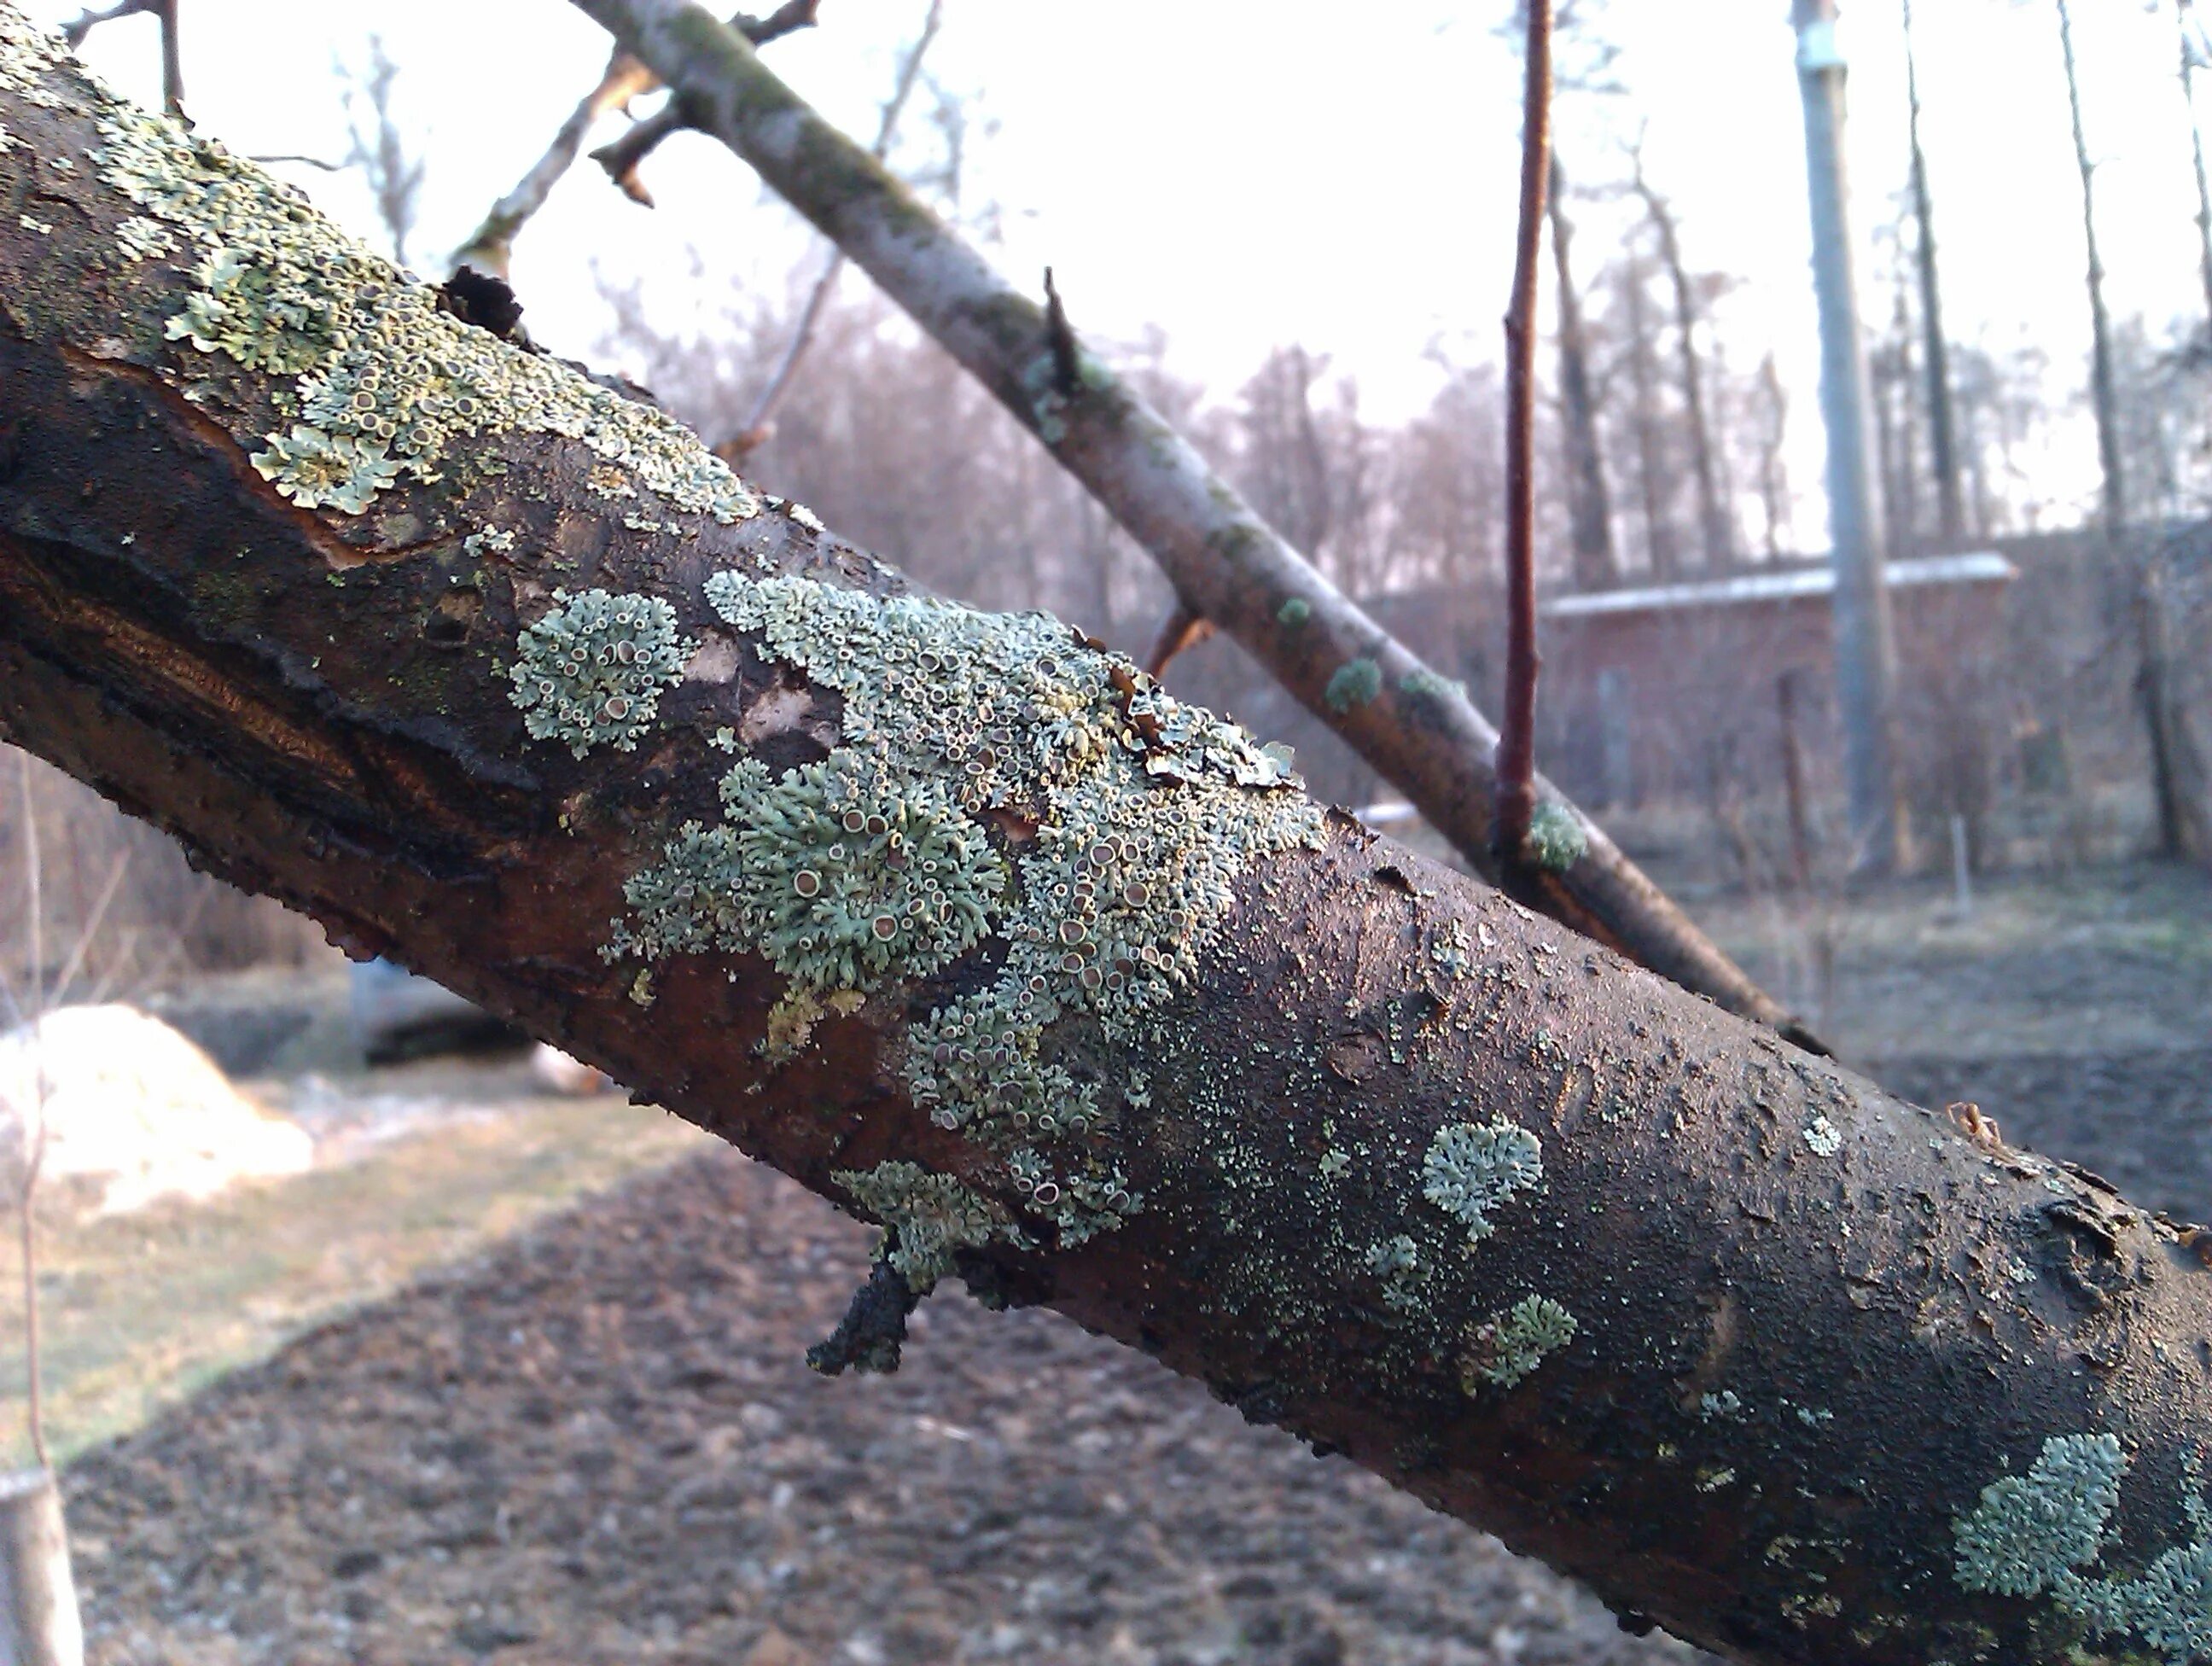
491,248
1227,564
964,922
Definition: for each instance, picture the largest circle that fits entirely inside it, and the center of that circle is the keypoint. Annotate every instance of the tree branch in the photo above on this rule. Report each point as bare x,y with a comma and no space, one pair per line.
1516,741
1416,727
490,247
964,923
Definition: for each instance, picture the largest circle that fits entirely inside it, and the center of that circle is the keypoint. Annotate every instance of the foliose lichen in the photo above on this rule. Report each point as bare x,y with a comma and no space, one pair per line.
1139,814
2035,1535
1556,840
1355,683
929,1216
382,383
1293,612
840,875
1397,1261
1470,1171
591,668
1823,1137
1510,1346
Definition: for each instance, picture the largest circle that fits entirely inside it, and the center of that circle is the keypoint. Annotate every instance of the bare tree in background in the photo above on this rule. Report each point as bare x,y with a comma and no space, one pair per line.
394,176
1942,445
1714,525
1589,506
2197,54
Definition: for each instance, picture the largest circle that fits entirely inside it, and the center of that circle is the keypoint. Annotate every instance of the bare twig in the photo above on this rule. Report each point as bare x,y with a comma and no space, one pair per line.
759,425
1180,632
173,73
490,247
1516,740
1066,362
32,1117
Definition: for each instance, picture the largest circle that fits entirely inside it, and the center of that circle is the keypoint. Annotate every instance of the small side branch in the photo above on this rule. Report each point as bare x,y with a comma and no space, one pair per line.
491,248
623,158
1516,740
1181,631
172,72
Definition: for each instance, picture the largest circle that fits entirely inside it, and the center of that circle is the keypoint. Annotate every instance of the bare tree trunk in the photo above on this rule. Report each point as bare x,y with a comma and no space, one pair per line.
2184,10
1773,477
1935,351
38,1621
1589,508
2179,784
1714,523
1643,412
547,702
2103,397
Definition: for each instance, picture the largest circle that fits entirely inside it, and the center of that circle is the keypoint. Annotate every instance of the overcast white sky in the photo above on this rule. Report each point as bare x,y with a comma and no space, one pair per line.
1245,173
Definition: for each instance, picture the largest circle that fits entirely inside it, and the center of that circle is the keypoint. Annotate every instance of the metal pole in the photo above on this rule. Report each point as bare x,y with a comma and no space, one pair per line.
1864,657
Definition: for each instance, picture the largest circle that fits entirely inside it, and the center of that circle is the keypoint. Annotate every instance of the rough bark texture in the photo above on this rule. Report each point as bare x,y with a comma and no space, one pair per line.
1767,1356
1228,565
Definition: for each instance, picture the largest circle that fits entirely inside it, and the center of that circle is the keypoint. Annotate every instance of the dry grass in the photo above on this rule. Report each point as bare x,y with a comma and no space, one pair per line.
141,1310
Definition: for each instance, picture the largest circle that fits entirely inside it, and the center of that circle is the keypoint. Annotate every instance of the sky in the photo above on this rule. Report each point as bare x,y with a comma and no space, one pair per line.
1241,175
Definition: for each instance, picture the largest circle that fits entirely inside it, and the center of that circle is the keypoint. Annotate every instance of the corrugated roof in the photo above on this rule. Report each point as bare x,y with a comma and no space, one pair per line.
1978,566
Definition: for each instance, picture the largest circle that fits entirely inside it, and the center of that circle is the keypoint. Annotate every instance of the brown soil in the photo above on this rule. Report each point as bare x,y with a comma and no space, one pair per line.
599,1445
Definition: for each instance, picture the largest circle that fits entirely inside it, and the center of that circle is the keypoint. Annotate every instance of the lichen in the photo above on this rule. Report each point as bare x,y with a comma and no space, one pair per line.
840,875
929,1216
1470,1171
375,367
317,469
1355,683
1555,841
1824,1138
2035,1535
1139,814
1512,1344
591,669
1397,1261
1294,613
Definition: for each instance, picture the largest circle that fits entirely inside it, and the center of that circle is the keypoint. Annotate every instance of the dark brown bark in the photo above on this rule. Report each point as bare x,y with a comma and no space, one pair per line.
1812,1327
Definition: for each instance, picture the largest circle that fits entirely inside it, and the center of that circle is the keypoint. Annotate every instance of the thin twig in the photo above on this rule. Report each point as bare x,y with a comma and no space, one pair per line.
621,158
1181,631
173,73
1060,335
34,1143
759,425
491,248
1517,738
92,16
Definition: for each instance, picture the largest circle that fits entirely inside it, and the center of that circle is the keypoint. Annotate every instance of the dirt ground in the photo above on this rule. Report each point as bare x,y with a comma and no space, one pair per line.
596,1442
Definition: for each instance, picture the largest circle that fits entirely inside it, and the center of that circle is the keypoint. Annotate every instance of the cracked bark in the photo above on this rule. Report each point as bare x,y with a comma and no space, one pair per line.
1811,1322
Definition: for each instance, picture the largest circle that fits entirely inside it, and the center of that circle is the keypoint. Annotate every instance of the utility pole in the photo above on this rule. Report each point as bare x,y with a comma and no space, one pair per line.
1863,653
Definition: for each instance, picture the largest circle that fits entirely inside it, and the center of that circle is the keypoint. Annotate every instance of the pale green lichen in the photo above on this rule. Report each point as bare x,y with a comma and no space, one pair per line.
317,469
1355,683
929,1216
141,238
1397,1261
28,54
593,667
1470,1171
374,364
1823,1137
1556,840
1140,814
840,875
1510,1346
2035,1534
1294,613
1426,685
